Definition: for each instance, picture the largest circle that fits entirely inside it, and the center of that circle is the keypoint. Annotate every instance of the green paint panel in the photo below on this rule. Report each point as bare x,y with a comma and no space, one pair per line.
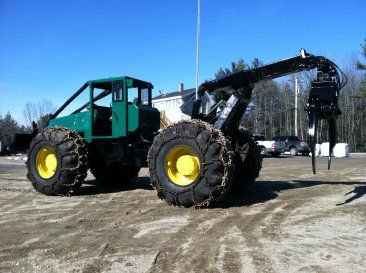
142,117
117,121
79,122
149,119
133,117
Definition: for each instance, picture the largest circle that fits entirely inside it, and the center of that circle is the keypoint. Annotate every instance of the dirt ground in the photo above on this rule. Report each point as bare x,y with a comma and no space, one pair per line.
289,221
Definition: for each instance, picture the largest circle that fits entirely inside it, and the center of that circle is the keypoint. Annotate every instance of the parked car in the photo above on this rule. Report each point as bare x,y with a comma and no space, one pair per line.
268,147
292,144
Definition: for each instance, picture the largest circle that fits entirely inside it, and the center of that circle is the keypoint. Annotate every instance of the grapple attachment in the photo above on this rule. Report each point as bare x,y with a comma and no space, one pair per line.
323,104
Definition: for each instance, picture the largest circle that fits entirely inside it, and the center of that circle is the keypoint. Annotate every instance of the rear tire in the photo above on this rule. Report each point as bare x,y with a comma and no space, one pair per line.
69,155
207,181
248,160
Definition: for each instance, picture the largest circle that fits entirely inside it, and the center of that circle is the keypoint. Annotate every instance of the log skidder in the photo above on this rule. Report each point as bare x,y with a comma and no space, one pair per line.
191,164
57,161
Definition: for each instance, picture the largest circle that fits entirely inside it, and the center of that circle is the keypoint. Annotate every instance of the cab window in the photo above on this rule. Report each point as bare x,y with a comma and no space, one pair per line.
145,96
117,87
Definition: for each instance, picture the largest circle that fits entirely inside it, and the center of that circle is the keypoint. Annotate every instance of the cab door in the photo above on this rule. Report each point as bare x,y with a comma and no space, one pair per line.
119,106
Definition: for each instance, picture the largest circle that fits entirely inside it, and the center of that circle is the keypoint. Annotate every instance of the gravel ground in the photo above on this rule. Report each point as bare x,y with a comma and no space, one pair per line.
289,221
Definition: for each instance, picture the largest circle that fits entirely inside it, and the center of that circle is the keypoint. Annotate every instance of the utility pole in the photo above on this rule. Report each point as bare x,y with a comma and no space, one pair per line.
198,45
296,93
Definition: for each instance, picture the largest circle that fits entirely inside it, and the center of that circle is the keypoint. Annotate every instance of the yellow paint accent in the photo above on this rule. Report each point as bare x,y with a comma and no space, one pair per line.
187,165
46,162
182,165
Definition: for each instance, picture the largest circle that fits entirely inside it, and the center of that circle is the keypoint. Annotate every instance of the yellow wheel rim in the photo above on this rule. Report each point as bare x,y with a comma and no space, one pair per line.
182,165
46,162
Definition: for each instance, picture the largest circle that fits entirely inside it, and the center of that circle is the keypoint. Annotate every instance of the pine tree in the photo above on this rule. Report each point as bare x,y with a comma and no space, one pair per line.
8,128
362,66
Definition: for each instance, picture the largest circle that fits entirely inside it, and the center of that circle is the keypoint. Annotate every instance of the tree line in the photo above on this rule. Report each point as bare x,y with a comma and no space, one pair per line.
33,112
272,109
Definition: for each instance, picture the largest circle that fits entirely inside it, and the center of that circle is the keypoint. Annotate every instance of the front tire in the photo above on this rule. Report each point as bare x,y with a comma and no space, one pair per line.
190,164
57,161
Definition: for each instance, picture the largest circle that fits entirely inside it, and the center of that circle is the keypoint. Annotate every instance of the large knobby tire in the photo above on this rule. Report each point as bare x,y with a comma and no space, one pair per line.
57,161
208,147
248,160
116,175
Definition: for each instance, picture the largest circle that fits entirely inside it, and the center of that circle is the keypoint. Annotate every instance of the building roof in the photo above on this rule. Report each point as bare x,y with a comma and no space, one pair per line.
188,97
183,93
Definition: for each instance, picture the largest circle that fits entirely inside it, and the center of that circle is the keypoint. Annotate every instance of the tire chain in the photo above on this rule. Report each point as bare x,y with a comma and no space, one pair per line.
228,163
80,145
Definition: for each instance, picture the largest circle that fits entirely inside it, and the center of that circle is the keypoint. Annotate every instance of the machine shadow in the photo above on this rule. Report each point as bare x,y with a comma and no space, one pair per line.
259,192
92,187
358,191
264,191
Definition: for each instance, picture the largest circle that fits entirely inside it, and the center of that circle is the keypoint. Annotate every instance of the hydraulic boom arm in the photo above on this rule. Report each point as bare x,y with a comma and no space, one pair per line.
322,103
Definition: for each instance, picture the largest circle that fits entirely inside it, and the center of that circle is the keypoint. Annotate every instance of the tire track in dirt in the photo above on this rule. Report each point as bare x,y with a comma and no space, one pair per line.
253,231
220,247
190,248
289,202
289,226
187,250
269,224
232,260
274,222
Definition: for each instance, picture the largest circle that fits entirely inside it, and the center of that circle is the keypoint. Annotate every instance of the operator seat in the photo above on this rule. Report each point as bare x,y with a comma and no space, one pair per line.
102,124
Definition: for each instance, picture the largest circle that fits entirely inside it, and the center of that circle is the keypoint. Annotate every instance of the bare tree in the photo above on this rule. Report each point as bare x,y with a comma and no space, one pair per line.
38,111
29,113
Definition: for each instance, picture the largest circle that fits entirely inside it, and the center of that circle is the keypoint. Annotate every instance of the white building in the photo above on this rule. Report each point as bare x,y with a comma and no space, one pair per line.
170,103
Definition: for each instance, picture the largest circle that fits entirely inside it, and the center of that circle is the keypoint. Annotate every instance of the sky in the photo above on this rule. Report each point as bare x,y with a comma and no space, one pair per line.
48,49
